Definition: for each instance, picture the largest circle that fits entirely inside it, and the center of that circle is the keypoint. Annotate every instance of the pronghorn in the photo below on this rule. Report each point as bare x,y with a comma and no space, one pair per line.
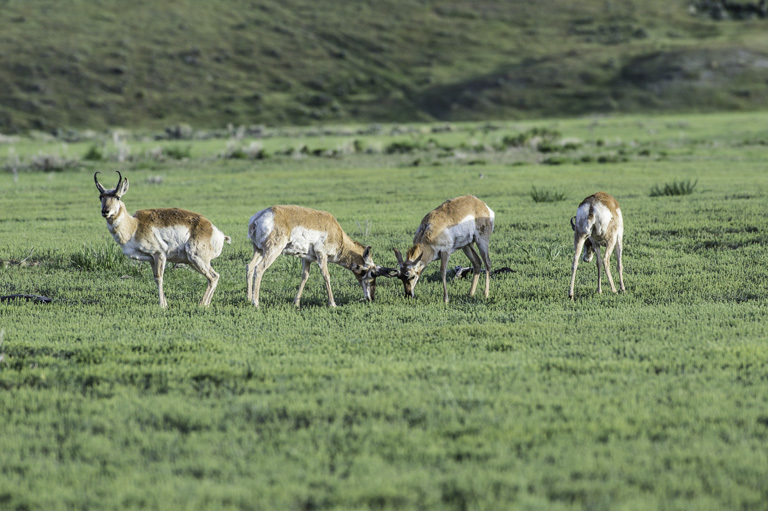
453,225
160,235
598,221
314,236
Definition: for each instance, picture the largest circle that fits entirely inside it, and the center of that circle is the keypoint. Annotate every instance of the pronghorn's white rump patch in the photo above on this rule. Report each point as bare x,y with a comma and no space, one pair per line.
597,226
260,226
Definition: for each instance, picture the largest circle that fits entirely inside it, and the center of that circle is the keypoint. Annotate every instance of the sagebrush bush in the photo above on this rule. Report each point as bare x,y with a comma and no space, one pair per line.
52,163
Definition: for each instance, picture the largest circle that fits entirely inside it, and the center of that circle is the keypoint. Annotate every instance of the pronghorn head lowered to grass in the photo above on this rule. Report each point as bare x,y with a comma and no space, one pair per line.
162,235
598,221
455,224
314,236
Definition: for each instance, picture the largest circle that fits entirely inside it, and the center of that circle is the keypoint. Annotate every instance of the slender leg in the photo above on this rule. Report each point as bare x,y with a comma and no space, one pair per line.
213,281
621,264
263,265
578,246
208,272
322,260
607,264
250,270
304,277
476,266
484,246
598,261
158,268
443,269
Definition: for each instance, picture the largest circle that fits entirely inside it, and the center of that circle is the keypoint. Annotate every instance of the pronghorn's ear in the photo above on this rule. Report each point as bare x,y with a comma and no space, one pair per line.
122,188
399,256
367,256
418,258
101,189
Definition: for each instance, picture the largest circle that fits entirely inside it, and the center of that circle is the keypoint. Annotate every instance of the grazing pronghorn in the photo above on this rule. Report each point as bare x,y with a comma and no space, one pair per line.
163,235
314,236
598,221
455,224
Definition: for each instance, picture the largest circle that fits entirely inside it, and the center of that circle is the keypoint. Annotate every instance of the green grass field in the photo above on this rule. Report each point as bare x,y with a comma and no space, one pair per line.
654,399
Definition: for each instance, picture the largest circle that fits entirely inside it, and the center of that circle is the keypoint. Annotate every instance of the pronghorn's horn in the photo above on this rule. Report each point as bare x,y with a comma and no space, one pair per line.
98,185
573,224
383,271
119,181
399,256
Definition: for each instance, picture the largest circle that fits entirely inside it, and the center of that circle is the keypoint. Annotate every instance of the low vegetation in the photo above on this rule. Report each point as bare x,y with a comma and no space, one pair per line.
650,399
547,195
685,187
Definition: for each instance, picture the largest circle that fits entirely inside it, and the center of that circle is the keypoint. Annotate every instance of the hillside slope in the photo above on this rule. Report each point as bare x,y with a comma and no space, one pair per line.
209,63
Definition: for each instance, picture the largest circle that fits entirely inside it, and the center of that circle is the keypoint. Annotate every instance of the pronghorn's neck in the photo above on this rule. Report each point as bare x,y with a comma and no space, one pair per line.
350,253
122,226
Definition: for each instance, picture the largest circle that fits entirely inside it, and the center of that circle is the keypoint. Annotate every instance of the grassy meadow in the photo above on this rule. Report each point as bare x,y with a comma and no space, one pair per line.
652,399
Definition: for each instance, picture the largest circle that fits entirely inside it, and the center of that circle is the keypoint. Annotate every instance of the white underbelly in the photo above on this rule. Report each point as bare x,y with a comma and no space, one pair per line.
304,243
457,236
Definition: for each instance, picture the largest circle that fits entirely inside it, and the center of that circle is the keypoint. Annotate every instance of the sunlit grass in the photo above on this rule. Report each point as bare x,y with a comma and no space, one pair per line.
651,398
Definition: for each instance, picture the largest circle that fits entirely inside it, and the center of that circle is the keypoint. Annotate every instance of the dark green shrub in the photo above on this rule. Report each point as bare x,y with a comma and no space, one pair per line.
94,153
675,188
177,152
402,147
549,195
557,160
545,134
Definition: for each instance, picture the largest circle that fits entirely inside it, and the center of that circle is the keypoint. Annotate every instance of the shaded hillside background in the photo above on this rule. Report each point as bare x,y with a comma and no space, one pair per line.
209,63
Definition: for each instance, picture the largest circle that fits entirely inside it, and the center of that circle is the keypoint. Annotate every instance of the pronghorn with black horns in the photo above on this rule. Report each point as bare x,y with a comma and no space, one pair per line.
598,221
455,224
163,235
314,236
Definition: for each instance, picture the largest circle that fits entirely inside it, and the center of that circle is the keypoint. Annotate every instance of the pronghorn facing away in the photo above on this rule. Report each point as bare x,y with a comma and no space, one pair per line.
455,224
314,236
163,235
598,221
